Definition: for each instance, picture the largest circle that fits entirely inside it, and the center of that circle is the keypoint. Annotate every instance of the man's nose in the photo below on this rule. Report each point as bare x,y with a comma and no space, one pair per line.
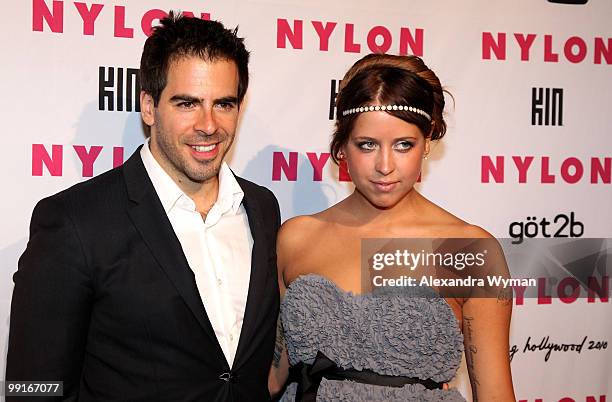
206,121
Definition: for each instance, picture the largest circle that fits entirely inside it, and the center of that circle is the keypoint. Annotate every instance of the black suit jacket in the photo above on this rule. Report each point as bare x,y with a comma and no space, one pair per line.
106,302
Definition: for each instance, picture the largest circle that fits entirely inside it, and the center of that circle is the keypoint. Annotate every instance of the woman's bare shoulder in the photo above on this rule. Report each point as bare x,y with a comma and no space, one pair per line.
306,224
449,225
298,226
302,229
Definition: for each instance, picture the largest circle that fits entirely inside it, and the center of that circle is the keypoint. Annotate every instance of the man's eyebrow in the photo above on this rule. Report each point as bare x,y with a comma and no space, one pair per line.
227,99
185,98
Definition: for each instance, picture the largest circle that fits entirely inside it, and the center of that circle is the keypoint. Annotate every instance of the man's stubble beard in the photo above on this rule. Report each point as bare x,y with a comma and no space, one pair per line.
203,171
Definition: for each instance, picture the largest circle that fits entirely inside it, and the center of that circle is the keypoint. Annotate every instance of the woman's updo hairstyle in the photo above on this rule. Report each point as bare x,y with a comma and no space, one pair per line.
389,80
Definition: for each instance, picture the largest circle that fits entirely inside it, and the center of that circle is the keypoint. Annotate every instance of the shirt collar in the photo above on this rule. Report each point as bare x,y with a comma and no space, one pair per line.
230,194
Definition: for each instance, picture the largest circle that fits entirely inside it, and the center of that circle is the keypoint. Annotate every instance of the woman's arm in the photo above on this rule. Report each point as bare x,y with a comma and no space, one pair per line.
486,323
486,330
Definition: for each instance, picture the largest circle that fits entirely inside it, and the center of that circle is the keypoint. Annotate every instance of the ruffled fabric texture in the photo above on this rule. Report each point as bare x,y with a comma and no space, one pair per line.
391,334
348,391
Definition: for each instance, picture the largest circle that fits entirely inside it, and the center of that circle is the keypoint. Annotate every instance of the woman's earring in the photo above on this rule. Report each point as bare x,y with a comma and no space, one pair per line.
342,159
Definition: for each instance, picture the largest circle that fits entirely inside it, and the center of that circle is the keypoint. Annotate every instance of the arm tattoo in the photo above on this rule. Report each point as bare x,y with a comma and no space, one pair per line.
505,296
280,344
470,354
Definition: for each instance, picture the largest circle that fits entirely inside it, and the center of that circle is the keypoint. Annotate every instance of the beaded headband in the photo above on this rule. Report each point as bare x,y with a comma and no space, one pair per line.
375,108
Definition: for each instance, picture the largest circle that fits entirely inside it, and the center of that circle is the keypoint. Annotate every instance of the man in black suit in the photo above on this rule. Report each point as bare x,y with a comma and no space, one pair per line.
157,281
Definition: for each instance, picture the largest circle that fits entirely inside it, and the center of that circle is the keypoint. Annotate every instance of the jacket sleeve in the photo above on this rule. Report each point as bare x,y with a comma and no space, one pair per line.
51,303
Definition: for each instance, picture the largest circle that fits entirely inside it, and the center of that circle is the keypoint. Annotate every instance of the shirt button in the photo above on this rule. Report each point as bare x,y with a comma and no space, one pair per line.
231,337
219,282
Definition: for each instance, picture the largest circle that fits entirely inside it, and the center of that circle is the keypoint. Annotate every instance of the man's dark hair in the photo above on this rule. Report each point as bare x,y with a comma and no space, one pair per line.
179,36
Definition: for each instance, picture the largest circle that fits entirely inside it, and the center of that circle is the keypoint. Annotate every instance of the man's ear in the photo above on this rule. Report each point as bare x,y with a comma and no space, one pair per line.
147,108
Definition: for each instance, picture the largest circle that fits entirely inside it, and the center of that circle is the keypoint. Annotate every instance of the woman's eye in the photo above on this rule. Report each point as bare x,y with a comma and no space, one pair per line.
367,145
403,146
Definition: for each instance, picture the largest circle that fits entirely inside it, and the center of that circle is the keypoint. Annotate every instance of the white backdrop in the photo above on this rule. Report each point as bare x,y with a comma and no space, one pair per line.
489,54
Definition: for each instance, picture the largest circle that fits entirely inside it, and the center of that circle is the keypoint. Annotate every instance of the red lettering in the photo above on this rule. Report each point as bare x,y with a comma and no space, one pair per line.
524,43
549,55
601,49
415,43
318,163
599,171
54,20
602,290
490,44
279,163
324,33
379,39
121,31
519,294
379,31
41,157
284,32
53,17
344,174
575,48
569,46
87,158
117,156
522,167
543,298
546,177
565,170
349,45
562,287
488,169
89,16
572,169
147,20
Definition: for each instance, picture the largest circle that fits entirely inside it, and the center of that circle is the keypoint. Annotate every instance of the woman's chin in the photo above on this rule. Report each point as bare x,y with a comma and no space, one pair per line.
384,202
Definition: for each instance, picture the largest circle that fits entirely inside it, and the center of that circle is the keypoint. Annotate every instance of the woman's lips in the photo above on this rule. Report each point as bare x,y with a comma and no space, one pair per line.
385,186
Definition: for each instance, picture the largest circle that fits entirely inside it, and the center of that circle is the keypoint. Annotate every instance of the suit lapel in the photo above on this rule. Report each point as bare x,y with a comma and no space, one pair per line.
150,219
258,277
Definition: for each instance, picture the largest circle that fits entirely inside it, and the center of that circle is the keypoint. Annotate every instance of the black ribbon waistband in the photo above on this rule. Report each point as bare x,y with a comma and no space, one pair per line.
309,376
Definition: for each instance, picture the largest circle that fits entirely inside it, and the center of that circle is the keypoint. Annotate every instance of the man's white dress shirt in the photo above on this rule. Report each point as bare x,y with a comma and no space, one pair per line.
218,248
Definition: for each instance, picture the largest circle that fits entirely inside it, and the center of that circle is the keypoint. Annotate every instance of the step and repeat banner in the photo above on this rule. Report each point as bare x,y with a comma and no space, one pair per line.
529,138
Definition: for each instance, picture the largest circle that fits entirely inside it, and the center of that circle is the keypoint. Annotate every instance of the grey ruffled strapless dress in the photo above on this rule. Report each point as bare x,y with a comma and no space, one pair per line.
391,334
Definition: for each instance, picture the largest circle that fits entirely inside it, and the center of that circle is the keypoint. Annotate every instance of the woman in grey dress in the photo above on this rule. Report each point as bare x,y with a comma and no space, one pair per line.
337,341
